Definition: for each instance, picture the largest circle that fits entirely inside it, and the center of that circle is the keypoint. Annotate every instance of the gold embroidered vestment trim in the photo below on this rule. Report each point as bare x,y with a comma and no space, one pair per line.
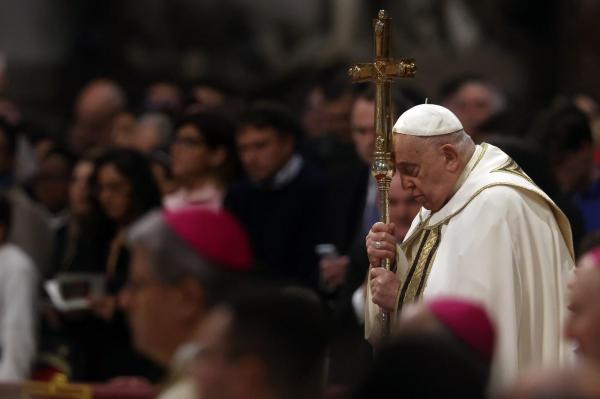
416,279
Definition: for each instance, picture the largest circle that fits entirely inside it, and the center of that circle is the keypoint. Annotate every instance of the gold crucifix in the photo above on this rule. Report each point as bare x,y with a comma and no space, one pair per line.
383,71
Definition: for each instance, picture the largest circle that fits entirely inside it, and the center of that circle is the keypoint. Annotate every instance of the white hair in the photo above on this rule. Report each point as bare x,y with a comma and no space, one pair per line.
172,259
459,140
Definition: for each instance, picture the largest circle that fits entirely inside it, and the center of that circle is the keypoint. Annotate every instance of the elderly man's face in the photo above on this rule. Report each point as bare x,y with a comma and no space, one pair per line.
154,310
425,171
583,324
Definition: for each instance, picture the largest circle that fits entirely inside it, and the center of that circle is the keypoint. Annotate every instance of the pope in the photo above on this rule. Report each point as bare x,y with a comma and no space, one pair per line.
485,232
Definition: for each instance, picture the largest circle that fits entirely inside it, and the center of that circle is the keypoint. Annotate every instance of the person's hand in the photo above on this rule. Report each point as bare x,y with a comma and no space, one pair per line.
333,270
384,288
104,306
381,243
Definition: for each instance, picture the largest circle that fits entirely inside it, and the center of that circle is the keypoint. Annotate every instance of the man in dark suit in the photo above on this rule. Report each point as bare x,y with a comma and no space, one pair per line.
280,200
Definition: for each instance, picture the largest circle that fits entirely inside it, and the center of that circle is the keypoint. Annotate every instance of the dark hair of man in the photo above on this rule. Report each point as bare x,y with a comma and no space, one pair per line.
561,129
135,168
63,153
400,102
215,129
529,158
265,115
424,365
286,330
10,132
452,86
5,213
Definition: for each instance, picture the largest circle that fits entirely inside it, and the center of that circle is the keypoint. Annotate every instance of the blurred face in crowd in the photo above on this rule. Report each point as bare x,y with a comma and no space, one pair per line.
576,169
403,208
429,172
79,190
10,111
263,151
583,323
43,147
114,194
96,106
363,129
206,98
337,116
52,183
161,316
313,118
191,158
122,130
98,101
163,96
148,137
473,104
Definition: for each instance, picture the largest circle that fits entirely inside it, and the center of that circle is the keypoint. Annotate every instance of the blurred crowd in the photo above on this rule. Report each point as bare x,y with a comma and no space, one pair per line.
230,235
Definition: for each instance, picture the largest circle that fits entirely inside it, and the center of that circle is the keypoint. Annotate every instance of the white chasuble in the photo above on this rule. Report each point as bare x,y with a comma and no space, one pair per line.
503,243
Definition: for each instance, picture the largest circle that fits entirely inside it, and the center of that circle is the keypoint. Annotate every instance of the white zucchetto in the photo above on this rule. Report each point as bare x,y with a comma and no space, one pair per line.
427,120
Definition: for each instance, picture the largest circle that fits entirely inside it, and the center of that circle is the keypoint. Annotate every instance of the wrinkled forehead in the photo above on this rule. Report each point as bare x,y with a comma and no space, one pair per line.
409,149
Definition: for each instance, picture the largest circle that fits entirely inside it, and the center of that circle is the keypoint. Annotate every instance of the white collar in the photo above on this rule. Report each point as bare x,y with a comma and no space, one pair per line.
468,168
288,172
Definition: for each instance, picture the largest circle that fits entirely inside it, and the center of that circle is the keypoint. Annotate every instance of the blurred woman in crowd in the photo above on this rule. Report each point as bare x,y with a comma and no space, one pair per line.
67,240
123,190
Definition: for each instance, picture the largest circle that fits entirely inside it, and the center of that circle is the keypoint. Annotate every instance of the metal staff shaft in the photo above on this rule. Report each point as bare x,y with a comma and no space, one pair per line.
382,71
383,167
